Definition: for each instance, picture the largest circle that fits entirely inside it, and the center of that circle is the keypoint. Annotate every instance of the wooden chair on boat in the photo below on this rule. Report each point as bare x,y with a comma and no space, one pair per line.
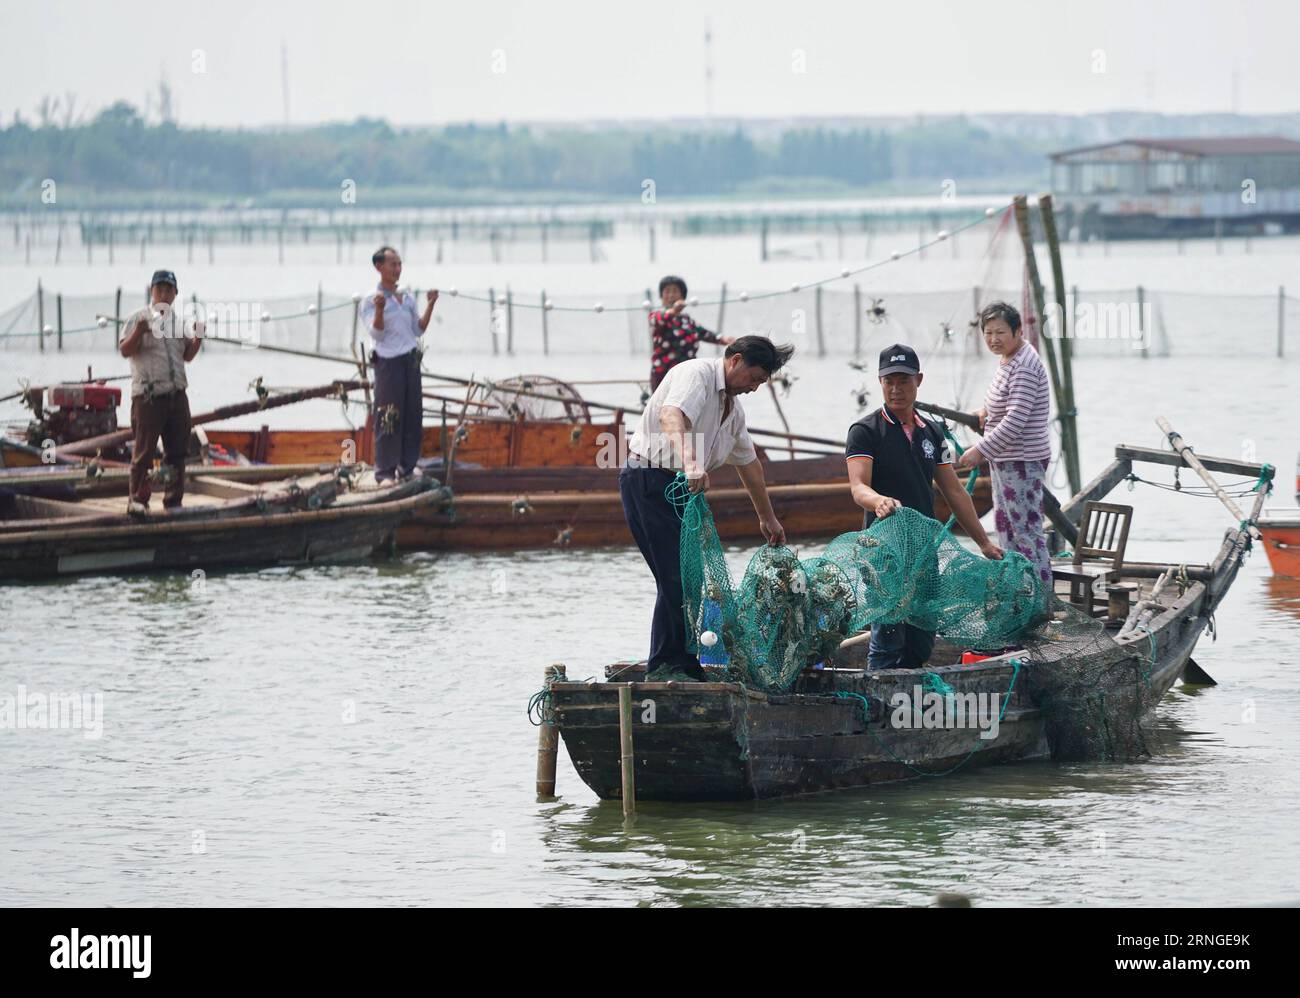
1098,553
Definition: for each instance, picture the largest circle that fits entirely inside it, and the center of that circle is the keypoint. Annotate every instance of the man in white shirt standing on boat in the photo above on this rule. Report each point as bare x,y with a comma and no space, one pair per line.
695,424
395,329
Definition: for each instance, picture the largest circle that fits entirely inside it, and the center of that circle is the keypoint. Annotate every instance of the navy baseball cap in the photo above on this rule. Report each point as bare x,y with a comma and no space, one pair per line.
899,359
164,277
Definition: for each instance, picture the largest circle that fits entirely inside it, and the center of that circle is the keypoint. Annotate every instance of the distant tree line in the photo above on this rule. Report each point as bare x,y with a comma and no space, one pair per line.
118,150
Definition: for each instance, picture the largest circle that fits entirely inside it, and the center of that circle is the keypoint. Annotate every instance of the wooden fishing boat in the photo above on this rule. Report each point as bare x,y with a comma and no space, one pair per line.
1281,534
835,728
530,483
223,523
528,464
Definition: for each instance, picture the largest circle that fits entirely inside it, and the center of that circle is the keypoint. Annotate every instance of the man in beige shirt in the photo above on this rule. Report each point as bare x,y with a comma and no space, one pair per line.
692,423
158,347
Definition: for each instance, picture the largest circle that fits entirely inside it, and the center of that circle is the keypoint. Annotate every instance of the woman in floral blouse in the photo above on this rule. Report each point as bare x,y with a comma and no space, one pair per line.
675,336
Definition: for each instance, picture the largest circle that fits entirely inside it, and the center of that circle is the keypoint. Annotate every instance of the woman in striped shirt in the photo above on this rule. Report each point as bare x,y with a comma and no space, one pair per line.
1015,417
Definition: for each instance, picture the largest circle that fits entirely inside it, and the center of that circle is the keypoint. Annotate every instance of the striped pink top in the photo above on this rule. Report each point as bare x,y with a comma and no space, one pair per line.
1018,405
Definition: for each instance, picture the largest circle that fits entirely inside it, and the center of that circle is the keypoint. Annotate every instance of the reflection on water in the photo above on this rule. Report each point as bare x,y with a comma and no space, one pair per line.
357,734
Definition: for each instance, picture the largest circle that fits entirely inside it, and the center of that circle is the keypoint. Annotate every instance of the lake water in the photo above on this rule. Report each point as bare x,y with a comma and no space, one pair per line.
357,734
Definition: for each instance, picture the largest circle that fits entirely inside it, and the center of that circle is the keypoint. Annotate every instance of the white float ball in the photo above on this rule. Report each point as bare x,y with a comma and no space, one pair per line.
647,304
101,322
708,639
894,255
695,301
311,309
599,307
794,287
744,296
501,299
990,212
452,291
942,235
356,297
266,316
844,272
548,305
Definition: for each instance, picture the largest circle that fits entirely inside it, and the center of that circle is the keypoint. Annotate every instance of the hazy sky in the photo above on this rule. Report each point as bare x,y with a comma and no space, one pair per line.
488,61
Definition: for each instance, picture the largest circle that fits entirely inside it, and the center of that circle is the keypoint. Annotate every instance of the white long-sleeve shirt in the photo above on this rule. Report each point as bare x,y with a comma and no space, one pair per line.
401,332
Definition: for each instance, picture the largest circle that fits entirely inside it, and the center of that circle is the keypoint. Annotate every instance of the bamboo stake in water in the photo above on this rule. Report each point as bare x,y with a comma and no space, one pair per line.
548,740
625,748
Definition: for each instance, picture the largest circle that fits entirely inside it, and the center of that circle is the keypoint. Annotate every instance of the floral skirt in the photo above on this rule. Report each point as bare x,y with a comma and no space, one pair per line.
1018,512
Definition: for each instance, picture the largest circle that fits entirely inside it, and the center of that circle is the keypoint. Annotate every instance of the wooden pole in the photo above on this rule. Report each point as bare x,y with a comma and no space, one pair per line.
40,316
546,331
1281,319
821,336
857,320
91,444
58,306
1036,285
762,242
548,740
510,322
722,308
492,319
1194,463
1142,326
1067,371
471,383
781,415
320,318
117,316
625,748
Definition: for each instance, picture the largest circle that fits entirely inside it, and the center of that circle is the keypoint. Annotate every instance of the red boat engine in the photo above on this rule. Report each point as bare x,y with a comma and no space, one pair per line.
69,413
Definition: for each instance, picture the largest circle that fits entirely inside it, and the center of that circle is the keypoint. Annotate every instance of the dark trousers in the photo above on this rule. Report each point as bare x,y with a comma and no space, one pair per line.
657,531
899,646
399,413
167,416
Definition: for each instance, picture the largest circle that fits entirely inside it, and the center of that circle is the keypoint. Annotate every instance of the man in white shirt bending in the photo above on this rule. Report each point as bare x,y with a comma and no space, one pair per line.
693,423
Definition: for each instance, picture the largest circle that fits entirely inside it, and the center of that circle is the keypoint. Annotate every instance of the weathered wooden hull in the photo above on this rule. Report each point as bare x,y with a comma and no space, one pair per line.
324,535
719,741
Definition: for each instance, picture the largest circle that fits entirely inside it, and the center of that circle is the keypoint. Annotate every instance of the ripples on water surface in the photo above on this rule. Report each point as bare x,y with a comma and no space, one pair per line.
225,715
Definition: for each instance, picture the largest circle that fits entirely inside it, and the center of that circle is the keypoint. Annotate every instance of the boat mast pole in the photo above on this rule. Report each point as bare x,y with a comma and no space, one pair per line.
1049,349
1185,452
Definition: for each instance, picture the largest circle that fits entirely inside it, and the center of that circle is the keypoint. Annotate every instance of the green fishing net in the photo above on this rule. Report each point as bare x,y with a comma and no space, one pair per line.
788,613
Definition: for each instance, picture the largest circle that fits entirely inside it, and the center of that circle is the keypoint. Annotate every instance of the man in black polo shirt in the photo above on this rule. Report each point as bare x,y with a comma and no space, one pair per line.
896,458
